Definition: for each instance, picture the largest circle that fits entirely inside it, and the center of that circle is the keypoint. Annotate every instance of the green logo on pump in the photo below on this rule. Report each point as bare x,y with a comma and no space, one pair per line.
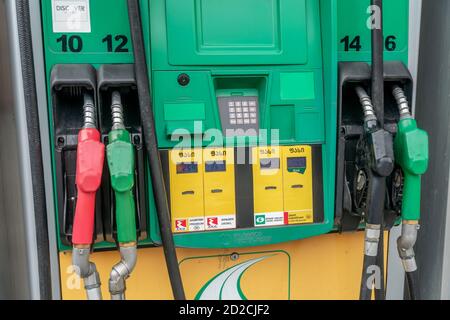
260,220
227,284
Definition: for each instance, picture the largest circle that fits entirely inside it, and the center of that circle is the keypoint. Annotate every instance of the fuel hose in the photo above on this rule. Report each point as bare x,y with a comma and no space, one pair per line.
151,146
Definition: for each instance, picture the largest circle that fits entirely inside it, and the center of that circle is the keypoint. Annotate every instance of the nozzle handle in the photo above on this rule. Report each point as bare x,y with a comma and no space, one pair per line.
121,162
83,224
90,158
411,197
125,216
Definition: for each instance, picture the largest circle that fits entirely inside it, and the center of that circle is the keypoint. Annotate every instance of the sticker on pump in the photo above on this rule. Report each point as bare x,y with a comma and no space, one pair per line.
71,16
270,219
220,222
181,225
301,217
196,224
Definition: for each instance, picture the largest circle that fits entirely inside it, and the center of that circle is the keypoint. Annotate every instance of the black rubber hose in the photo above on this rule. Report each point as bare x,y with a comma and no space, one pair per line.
378,64
366,291
412,278
378,103
148,125
377,187
376,199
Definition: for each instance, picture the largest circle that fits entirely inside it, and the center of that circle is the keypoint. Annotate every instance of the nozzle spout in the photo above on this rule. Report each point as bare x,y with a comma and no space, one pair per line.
402,103
405,245
88,272
122,271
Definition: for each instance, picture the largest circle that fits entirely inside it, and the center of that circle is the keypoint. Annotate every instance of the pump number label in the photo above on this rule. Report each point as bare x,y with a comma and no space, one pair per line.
71,16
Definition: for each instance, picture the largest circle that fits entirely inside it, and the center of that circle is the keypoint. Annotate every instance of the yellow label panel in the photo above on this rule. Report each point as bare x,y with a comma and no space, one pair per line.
307,270
186,190
297,184
268,186
219,188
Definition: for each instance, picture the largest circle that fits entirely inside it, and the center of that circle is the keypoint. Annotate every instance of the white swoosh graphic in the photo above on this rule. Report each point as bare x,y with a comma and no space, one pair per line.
225,286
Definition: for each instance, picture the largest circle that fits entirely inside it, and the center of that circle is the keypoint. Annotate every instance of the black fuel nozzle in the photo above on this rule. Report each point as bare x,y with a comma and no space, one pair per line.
382,152
375,157
379,142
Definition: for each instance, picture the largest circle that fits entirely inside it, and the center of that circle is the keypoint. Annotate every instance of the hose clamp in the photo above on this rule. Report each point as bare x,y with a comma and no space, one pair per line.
409,265
372,239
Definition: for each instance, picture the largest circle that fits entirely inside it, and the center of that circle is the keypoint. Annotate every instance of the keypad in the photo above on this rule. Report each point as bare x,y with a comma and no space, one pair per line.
239,113
245,109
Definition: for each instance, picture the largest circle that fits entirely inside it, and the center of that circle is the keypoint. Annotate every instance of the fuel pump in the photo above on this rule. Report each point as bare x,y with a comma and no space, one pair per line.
260,111
90,158
411,153
121,163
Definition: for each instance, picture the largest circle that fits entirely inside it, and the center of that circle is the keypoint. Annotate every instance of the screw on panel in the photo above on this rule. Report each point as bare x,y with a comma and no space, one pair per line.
183,79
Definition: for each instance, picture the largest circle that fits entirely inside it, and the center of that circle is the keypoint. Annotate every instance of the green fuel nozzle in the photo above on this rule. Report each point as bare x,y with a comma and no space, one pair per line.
120,153
411,154
121,163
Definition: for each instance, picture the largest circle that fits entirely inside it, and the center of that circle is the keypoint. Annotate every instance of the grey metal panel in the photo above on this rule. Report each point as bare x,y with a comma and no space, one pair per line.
15,255
433,114
415,18
19,276
21,132
40,74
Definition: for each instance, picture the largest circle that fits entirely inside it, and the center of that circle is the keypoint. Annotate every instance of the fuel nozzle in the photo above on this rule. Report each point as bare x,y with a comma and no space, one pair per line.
378,140
375,158
90,158
411,153
121,163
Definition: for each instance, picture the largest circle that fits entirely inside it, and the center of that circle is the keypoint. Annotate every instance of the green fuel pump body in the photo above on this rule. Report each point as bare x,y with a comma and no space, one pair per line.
121,162
411,153
199,58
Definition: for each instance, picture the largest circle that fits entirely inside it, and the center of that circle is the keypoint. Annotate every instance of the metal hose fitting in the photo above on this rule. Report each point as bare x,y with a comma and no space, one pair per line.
121,271
89,112
87,271
370,119
402,103
117,111
372,239
405,245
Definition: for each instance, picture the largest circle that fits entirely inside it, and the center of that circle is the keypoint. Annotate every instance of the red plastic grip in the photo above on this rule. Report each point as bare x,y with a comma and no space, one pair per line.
90,158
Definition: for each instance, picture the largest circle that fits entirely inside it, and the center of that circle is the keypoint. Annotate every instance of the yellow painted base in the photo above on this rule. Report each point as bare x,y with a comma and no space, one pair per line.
325,268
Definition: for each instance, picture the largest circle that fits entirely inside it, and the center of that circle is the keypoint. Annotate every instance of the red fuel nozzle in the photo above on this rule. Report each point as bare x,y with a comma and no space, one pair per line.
90,158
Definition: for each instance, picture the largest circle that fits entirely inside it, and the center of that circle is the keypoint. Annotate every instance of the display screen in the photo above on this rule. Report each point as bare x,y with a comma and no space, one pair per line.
183,167
215,166
268,164
294,163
